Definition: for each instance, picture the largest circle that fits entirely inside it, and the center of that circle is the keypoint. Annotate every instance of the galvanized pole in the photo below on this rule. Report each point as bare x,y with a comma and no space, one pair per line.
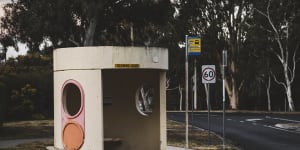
224,64
195,84
186,95
208,108
194,93
224,145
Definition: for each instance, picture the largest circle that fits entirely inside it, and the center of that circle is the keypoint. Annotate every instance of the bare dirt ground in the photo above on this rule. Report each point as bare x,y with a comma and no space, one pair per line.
26,135
198,138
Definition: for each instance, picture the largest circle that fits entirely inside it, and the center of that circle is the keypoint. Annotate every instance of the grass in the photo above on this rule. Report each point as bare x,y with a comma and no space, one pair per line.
27,129
198,139
32,146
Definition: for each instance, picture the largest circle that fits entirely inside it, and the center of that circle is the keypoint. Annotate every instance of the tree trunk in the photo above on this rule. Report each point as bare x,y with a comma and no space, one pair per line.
231,85
289,97
90,32
288,88
268,93
94,8
233,93
234,97
180,100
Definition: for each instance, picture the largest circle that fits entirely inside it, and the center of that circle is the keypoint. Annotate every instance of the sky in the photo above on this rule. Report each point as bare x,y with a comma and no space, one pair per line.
22,47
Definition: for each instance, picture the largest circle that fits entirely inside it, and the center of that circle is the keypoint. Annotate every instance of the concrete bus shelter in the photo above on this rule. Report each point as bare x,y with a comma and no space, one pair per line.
111,98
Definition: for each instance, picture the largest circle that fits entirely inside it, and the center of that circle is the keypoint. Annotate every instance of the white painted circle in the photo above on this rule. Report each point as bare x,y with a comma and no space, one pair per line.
208,74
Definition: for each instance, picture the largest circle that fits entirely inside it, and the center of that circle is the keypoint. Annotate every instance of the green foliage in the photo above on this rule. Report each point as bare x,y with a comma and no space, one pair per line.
22,102
29,85
67,23
3,102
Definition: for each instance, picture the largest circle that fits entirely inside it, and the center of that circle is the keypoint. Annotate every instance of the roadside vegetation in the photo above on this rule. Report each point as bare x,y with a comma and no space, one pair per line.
43,129
26,88
36,129
198,138
27,129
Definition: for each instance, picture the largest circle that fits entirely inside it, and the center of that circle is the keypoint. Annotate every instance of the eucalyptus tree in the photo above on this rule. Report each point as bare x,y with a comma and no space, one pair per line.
282,23
224,25
68,23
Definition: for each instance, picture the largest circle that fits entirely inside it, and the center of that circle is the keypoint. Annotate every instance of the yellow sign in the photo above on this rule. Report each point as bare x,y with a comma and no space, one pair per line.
194,45
127,65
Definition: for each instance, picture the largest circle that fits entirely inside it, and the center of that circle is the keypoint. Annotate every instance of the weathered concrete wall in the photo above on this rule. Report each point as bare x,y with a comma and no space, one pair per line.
105,57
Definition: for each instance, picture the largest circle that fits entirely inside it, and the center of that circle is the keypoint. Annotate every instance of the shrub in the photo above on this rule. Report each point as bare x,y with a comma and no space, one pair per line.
3,102
22,102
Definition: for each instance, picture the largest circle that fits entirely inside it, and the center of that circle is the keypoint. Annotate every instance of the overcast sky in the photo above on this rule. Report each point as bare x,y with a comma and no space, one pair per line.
22,48
2,2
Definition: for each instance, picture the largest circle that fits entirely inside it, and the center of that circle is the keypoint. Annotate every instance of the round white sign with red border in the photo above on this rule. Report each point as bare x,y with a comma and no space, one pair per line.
208,74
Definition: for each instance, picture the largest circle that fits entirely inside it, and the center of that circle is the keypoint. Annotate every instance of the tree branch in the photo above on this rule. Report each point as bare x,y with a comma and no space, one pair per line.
278,82
279,57
241,85
290,73
173,88
294,63
270,20
168,83
262,13
74,42
277,37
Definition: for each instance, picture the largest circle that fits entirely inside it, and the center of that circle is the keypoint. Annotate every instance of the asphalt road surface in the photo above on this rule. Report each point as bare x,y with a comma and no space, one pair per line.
251,131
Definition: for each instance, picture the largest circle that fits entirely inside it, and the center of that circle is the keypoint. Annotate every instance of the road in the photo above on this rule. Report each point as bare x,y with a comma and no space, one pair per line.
251,131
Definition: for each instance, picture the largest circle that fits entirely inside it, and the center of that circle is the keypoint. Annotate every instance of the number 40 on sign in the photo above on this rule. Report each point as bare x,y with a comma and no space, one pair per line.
208,74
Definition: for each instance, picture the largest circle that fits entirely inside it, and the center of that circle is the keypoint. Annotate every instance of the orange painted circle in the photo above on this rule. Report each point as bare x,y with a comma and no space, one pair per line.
72,136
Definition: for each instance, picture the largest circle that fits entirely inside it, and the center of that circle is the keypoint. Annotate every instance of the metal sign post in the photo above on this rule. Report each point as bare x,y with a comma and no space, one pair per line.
194,91
195,84
186,95
192,48
208,109
208,76
224,64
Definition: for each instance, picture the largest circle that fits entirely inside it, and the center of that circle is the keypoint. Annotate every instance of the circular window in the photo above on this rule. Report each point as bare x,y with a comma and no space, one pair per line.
144,99
72,98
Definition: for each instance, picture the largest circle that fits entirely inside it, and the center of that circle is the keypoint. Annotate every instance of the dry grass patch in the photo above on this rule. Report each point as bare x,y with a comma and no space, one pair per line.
198,139
41,145
27,129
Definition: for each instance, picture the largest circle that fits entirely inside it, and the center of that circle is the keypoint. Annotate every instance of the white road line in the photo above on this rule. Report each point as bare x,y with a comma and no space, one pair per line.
281,129
205,115
253,120
283,119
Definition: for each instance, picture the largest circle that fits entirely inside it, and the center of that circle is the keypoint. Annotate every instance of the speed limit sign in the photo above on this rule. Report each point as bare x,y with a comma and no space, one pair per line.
208,74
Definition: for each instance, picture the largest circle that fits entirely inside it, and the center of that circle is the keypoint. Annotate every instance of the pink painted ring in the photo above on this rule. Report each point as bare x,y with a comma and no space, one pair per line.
63,98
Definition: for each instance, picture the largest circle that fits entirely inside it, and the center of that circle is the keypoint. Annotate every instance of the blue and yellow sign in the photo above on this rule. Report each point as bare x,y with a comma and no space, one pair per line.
194,45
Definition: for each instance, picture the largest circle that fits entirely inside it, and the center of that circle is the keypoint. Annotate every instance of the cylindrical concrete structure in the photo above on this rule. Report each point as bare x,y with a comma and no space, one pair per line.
103,95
